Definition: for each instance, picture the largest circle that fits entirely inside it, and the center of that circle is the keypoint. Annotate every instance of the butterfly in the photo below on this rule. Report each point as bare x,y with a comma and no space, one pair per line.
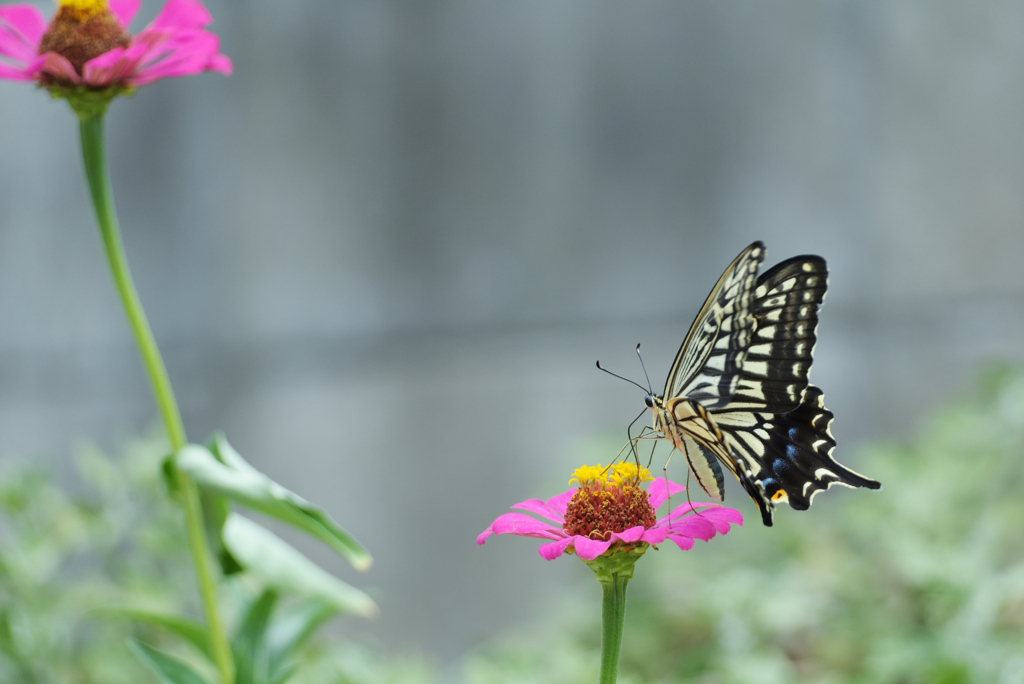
738,395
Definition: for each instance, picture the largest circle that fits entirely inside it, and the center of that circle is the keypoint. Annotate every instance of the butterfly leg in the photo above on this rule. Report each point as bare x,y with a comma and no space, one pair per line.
686,455
645,433
632,442
654,445
664,471
628,446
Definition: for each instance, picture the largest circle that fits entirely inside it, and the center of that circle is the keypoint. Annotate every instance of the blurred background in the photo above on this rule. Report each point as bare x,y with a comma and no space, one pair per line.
384,255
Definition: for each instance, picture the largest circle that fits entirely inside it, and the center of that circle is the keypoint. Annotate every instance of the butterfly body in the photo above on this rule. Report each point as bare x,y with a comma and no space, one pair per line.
680,419
738,393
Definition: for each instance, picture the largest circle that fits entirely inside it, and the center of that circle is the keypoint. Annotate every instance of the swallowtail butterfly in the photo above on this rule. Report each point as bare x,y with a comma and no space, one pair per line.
738,391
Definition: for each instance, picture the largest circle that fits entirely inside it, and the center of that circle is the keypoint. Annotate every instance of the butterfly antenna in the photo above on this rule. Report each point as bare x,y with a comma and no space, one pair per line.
600,367
650,389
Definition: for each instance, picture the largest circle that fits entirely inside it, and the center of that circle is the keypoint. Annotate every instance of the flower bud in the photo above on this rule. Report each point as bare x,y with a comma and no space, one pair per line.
80,31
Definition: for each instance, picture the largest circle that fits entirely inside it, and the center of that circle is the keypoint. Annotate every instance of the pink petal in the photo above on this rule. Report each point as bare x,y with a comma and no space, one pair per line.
124,10
693,526
655,535
525,526
111,66
723,513
26,20
59,66
633,534
221,64
561,502
554,549
182,15
720,517
33,68
589,549
152,44
684,543
21,28
685,508
540,508
658,493
193,56
14,73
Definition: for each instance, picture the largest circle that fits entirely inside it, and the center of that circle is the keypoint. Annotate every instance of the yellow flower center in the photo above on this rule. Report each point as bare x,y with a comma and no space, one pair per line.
84,8
609,499
618,475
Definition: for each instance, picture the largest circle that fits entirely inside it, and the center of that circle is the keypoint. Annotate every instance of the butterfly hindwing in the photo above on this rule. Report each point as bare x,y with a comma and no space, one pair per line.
787,457
701,442
704,465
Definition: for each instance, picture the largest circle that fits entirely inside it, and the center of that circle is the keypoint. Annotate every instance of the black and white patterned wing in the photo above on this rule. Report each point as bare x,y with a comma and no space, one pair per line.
708,364
787,457
785,314
776,425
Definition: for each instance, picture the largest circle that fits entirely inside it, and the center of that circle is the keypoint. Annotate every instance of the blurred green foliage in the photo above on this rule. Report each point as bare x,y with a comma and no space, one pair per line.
922,582
62,556
67,561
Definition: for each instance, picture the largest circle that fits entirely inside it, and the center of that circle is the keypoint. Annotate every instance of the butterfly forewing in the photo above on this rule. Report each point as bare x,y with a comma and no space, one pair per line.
708,363
778,360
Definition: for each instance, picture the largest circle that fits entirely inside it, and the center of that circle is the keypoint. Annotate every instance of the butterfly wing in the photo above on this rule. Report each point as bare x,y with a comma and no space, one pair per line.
776,424
691,430
784,310
703,463
706,372
746,359
708,364
787,457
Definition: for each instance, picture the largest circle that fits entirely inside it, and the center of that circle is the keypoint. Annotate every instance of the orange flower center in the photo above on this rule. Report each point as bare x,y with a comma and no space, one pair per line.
609,500
82,30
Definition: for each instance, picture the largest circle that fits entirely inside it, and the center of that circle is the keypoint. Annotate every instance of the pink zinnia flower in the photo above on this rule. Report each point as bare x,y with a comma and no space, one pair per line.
87,44
609,510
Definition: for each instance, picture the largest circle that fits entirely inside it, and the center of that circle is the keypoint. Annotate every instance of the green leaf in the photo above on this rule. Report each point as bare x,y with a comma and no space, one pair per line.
190,630
168,475
215,511
169,670
251,656
280,566
257,617
222,471
284,674
289,631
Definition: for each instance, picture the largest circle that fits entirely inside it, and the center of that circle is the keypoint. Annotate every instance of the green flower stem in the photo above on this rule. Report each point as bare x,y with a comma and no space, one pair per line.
614,571
613,612
95,159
